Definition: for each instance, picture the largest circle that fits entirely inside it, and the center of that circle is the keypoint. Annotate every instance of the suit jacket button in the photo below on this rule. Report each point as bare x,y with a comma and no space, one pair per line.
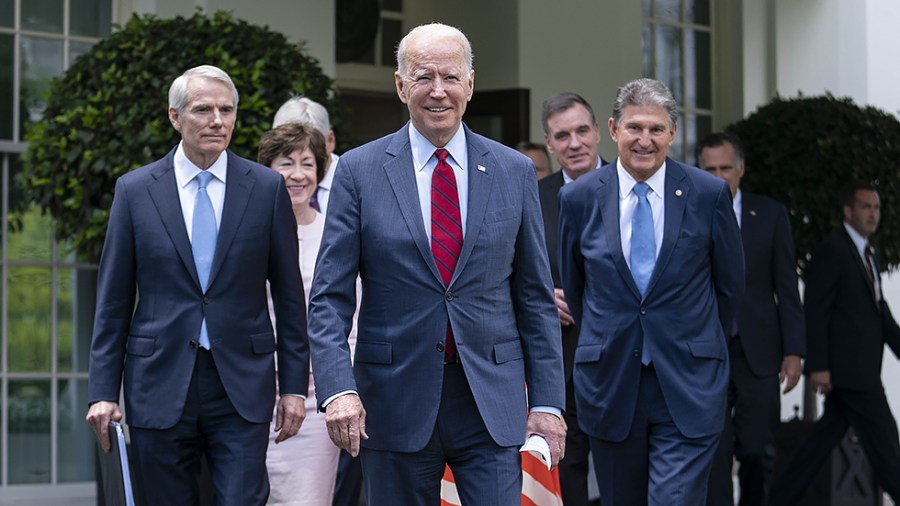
449,296
193,344
636,353
206,300
440,347
643,310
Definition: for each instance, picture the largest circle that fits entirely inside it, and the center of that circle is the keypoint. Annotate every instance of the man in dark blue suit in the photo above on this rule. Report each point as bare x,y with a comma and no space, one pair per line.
573,136
193,238
651,255
443,227
766,337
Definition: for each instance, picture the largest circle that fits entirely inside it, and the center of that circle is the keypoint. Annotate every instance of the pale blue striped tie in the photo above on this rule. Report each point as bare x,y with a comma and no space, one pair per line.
203,240
643,248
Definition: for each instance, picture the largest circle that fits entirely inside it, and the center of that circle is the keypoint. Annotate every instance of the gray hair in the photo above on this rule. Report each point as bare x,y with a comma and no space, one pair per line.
304,111
178,92
436,29
561,102
645,93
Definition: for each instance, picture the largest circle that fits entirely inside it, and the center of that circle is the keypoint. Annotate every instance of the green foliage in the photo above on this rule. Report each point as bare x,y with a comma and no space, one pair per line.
802,151
107,114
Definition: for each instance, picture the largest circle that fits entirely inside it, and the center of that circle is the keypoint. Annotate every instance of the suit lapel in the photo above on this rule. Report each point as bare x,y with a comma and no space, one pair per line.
401,175
677,194
858,261
164,194
238,186
608,197
479,194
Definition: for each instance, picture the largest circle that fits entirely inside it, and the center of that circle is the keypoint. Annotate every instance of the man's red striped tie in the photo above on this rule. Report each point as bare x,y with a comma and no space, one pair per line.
446,226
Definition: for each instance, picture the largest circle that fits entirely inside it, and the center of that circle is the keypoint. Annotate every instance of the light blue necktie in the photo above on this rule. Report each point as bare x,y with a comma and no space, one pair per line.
203,240
643,248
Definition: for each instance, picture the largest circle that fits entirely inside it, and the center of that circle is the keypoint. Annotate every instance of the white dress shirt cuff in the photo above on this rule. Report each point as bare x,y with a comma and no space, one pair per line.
547,409
335,396
294,395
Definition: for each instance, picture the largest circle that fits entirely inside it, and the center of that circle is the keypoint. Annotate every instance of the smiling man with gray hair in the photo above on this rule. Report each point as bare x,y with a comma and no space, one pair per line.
443,228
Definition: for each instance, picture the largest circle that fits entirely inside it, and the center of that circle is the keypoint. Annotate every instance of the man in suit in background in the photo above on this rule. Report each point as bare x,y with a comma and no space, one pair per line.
443,227
848,323
539,156
573,135
650,255
767,335
193,237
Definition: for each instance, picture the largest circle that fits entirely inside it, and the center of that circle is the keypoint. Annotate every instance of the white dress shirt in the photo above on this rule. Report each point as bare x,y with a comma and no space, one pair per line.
324,190
628,201
185,174
738,204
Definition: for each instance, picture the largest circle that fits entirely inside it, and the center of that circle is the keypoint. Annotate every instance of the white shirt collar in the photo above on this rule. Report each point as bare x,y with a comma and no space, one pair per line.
858,240
568,179
185,170
326,181
423,149
656,182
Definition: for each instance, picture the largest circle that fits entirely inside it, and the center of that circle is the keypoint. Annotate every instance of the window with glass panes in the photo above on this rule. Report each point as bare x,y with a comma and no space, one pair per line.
677,50
48,294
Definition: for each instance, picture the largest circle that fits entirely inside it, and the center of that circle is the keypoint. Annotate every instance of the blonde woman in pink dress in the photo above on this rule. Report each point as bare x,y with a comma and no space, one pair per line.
302,469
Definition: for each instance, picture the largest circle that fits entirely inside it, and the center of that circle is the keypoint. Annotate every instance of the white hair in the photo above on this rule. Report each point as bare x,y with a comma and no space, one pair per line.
304,111
434,29
178,92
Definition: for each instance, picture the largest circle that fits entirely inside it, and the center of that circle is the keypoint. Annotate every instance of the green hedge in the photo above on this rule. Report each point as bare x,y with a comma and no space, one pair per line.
801,151
107,114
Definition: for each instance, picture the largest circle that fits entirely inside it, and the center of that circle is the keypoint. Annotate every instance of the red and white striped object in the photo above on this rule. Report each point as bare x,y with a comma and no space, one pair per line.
540,487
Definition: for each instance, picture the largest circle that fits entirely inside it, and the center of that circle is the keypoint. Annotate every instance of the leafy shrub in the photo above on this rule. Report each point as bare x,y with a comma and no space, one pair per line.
802,151
107,114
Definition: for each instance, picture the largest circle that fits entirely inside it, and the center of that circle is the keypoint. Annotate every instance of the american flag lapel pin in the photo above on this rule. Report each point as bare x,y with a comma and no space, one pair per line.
482,169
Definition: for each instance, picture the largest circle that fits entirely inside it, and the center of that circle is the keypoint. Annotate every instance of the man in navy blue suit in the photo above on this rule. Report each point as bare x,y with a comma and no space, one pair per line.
651,255
443,227
766,335
193,238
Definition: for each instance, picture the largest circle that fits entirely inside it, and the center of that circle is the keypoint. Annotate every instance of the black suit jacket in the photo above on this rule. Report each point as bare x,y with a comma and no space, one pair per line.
846,330
769,314
548,192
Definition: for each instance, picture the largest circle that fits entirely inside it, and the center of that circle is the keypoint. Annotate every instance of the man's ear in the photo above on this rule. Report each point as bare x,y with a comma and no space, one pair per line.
174,119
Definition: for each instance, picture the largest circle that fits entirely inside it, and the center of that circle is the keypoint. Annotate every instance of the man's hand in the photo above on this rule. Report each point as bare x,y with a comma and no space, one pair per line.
289,416
565,317
346,421
820,381
790,372
99,415
553,429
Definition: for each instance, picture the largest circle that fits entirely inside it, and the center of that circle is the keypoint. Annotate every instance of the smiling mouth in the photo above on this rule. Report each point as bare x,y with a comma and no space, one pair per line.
437,109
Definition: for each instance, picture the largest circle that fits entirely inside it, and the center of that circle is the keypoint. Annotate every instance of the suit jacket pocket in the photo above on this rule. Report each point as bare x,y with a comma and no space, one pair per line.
588,353
140,346
508,351
707,349
373,352
507,213
263,343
